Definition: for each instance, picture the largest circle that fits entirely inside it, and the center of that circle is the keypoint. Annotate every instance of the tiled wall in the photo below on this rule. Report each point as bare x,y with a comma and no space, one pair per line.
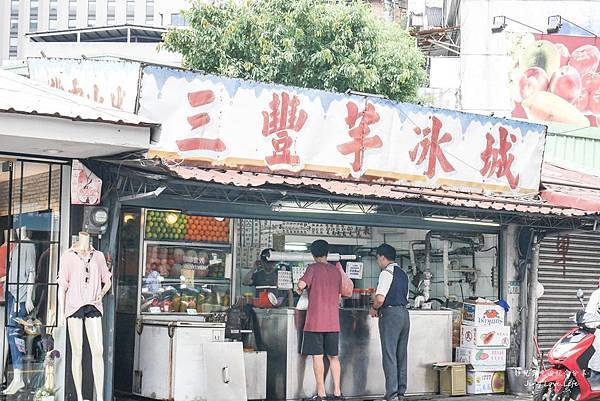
250,242
487,282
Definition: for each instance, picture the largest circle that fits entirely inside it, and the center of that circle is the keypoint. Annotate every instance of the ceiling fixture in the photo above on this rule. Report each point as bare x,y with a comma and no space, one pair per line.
317,207
499,24
466,221
555,22
297,247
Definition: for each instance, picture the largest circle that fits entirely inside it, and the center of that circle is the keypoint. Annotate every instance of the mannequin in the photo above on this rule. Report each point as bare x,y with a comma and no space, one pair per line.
19,303
82,272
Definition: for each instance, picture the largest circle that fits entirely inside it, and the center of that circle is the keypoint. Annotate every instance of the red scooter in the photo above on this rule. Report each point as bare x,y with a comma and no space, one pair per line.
568,376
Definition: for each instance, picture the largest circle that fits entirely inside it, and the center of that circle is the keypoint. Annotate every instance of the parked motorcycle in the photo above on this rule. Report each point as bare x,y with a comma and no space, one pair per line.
568,375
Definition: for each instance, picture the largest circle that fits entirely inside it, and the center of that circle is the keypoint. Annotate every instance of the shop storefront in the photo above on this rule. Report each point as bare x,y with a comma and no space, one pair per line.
244,167
42,134
181,268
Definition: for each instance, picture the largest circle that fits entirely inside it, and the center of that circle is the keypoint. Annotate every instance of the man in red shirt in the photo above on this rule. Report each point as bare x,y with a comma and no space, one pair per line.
322,326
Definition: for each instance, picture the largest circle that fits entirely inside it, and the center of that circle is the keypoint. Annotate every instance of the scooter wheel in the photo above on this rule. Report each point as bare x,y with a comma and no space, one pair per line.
541,392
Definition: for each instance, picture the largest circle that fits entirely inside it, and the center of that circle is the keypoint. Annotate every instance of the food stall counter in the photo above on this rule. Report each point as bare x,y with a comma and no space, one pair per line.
290,375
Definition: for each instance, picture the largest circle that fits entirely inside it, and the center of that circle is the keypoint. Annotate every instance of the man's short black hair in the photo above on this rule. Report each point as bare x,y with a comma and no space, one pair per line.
265,253
319,248
387,251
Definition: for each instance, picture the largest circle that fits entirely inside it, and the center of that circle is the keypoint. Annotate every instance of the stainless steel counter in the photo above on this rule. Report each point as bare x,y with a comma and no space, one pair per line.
290,375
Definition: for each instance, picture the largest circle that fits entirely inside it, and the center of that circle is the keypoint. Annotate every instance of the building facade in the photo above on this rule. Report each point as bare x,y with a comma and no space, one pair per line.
20,17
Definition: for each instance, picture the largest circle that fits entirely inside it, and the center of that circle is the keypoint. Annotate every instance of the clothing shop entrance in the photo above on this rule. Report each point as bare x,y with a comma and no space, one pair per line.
30,226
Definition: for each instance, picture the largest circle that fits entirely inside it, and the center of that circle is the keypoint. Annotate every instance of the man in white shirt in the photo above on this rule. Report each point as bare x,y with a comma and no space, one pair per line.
389,305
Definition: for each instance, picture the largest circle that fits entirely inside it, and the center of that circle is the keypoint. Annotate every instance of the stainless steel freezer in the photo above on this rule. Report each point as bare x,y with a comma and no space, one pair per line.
290,376
185,361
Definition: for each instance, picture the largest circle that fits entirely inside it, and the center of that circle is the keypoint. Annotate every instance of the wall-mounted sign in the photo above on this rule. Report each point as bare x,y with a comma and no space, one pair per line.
86,187
107,82
219,122
555,78
354,270
284,280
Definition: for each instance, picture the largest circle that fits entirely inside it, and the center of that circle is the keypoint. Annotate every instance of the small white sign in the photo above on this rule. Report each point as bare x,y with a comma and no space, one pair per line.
297,273
354,270
514,287
284,280
192,312
154,309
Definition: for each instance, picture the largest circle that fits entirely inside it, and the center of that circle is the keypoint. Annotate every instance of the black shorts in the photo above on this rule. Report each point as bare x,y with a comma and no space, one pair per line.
86,312
314,343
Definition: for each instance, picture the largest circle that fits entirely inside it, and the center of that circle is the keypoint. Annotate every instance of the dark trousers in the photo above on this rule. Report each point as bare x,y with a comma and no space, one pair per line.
394,327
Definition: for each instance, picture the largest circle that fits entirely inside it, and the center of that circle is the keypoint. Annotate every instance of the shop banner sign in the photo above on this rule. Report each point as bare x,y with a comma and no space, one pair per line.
109,83
86,187
229,123
555,78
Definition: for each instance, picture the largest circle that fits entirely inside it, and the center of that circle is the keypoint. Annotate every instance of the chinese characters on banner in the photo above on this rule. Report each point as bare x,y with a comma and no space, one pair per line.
359,132
430,148
109,83
283,119
271,128
197,122
499,160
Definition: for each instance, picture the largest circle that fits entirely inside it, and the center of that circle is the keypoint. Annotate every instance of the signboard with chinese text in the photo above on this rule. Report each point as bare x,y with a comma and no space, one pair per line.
110,83
219,122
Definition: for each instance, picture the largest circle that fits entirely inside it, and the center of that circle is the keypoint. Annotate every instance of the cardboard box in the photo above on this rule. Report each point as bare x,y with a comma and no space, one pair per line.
485,382
482,359
483,314
453,378
484,337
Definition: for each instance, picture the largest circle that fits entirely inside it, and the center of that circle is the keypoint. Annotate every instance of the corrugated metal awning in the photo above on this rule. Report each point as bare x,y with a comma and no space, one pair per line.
570,188
25,96
529,205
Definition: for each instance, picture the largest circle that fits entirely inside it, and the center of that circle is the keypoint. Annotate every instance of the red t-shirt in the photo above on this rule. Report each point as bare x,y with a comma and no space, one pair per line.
324,283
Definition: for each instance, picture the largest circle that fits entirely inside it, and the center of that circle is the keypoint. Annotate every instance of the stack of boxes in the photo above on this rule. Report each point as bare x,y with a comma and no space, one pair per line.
484,340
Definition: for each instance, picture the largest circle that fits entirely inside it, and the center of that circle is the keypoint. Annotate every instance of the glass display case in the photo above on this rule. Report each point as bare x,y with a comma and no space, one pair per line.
187,264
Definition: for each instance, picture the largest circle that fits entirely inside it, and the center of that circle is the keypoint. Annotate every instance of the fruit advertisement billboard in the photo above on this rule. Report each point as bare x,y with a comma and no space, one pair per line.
555,78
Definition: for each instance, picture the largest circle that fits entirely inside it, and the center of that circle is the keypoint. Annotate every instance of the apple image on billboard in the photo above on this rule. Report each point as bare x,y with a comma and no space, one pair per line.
534,79
566,83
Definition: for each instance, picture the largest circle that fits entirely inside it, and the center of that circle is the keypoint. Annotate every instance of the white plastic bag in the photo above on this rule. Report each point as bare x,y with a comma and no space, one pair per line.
303,301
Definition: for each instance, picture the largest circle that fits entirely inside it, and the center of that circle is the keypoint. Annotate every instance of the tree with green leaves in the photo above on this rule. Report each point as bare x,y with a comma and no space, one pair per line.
333,45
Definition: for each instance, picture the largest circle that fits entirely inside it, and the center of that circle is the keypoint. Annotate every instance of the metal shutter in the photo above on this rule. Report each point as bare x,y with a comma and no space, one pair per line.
567,262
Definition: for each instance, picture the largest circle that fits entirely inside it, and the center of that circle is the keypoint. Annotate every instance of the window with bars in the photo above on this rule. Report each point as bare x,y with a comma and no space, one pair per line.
130,11
34,6
149,12
53,14
30,227
91,12
110,12
72,13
